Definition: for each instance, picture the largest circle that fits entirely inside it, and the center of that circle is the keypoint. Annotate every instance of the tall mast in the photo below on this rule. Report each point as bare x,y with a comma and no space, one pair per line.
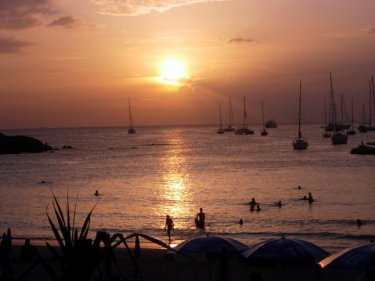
325,113
373,91
130,116
299,113
263,115
333,105
230,112
342,108
370,103
221,126
244,113
352,113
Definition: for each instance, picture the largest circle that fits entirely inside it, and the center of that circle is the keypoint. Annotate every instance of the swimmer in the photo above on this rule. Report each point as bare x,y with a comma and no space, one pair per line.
310,199
299,187
97,193
241,222
359,222
279,204
258,208
252,202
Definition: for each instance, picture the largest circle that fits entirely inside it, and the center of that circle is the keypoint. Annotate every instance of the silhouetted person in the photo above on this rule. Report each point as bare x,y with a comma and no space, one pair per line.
299,187
200,219
310,198
97,193
252,209
258,208
252,202
279,204
241,222
169,226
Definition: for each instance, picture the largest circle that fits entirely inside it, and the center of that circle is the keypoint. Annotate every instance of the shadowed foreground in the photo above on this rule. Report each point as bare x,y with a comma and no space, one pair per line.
154,266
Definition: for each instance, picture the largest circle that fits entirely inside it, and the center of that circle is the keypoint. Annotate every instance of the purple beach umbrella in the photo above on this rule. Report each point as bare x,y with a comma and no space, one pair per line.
355,263
284,252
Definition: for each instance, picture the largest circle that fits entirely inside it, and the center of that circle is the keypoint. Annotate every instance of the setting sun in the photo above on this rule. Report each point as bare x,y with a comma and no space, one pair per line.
172,71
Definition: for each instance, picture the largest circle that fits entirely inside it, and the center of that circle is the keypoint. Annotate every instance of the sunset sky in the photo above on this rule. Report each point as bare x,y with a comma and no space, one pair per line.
72,63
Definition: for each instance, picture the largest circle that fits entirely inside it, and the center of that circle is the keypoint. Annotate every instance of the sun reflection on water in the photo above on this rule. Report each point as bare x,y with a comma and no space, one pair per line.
175,186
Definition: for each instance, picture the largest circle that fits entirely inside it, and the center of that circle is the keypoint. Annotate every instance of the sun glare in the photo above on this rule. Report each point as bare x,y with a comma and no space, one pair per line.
172,71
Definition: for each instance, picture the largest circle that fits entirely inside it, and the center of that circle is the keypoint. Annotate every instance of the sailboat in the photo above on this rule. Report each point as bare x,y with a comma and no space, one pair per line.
351,132
368,127
220,130
337,137
230,128
131,129
264,132
244,130
334,125
299,142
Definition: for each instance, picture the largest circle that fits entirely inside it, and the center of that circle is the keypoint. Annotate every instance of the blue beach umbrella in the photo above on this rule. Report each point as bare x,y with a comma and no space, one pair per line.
355,263
211,247
284,252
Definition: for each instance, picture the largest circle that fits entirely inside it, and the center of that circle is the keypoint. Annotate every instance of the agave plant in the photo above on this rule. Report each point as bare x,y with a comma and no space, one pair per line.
77,256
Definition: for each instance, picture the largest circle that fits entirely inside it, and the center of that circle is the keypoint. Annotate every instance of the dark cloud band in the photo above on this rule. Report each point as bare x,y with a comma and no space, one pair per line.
12,46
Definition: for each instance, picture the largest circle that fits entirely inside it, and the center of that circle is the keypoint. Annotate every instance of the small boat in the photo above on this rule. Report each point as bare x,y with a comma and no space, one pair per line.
220,131
337,137
363,149
299,142
334,125
244,130
264,131
230,128
131,129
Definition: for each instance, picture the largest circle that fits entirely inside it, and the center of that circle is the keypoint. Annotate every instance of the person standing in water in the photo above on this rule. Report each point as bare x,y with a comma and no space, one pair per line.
169,226
310,198
200,219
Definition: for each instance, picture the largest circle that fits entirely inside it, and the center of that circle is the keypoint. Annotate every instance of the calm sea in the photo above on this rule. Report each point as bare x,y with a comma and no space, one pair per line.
177,170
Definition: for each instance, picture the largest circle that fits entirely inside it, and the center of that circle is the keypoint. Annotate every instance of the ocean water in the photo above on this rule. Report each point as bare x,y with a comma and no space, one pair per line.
177,170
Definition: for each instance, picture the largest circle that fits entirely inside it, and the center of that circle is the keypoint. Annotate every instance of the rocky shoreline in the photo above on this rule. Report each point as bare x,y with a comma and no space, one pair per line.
22,144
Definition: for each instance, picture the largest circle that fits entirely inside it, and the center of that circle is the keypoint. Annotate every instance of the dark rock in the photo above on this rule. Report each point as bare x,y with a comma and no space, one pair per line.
67,147
19,144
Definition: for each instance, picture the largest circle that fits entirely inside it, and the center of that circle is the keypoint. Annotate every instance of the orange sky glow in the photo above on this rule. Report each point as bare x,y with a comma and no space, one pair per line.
66,63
